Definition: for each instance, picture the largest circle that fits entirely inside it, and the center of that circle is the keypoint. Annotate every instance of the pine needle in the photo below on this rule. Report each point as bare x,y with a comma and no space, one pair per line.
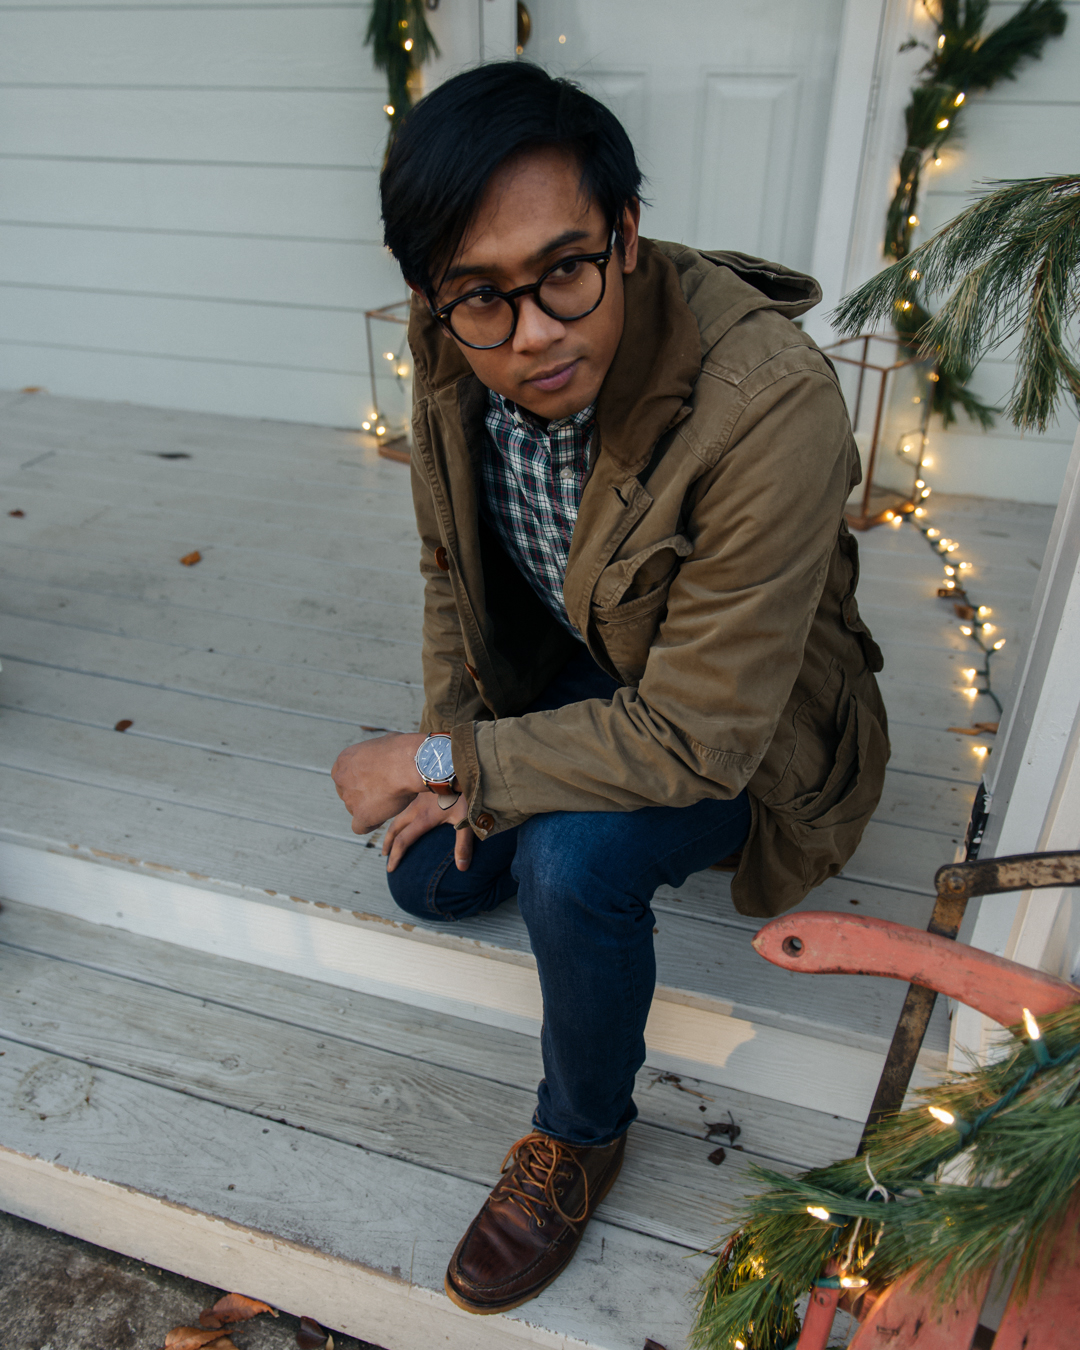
1010,264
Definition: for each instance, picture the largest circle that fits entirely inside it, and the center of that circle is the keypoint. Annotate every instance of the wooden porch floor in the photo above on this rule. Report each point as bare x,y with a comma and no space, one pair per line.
222,1049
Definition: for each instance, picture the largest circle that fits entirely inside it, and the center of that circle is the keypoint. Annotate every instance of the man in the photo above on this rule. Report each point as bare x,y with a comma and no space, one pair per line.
642,653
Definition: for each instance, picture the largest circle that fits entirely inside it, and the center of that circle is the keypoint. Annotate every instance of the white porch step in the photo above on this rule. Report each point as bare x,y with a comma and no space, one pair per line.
325,1150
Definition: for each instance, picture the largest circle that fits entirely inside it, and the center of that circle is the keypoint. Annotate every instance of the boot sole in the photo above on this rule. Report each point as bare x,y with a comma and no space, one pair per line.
487,1309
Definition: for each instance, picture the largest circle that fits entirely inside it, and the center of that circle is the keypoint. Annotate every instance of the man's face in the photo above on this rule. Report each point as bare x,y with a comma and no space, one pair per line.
531,216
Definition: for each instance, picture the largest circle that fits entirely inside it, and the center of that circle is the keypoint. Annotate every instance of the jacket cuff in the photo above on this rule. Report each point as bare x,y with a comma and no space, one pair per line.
480,779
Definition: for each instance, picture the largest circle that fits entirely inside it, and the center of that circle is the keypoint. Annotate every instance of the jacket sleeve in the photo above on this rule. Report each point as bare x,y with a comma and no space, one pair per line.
763,524
450,694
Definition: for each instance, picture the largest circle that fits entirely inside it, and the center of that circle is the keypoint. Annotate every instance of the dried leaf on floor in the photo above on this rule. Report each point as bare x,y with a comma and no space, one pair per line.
209,1318
190,559
222,1343
717,1156
650,1344
19,513
191,1338
238,1308
123,724
311,1336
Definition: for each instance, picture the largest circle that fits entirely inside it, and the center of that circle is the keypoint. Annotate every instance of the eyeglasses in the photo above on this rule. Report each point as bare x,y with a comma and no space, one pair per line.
569,290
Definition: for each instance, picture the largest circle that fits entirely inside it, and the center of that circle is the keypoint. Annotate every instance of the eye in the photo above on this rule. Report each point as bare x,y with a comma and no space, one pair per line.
481,299
568,270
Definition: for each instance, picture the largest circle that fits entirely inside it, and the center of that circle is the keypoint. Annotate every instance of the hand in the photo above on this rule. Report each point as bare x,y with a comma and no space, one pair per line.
378,778
422,814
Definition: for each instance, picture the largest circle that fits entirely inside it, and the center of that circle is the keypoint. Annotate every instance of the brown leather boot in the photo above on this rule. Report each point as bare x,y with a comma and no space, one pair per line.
531,1223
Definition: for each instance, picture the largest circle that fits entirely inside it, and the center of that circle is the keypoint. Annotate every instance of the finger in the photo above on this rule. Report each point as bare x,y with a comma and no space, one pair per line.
463,849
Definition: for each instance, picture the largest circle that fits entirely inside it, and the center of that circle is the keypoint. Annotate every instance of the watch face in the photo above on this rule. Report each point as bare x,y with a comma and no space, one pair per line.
434,760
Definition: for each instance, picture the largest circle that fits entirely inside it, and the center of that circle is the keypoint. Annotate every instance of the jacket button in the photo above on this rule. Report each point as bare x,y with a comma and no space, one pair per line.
471,671
484,821
441,560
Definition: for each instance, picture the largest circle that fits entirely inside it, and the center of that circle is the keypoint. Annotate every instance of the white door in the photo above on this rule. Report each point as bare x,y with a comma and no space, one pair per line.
727,105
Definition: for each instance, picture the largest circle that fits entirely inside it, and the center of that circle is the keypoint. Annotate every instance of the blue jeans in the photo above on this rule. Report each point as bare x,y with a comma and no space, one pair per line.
584,882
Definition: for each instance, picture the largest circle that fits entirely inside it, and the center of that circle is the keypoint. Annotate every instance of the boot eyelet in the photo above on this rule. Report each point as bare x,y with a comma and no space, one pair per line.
540,1223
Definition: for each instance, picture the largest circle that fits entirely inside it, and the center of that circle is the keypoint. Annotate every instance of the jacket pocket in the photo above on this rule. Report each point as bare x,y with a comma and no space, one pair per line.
629,601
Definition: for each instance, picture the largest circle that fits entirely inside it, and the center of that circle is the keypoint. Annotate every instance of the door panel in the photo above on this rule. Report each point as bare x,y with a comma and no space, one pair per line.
727,105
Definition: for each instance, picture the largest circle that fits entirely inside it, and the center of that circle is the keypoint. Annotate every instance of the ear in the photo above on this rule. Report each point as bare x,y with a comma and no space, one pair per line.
628,228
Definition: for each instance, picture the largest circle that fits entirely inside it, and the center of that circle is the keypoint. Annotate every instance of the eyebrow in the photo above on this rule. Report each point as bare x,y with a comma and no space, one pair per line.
534,260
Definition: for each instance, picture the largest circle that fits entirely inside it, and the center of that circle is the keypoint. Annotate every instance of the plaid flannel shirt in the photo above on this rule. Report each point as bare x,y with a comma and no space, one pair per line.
532,478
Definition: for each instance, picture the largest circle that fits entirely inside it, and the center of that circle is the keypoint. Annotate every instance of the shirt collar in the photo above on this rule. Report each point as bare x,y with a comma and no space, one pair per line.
582,420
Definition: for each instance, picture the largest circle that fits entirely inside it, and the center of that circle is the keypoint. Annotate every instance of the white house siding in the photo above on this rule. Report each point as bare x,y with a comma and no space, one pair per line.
188,205
1020,129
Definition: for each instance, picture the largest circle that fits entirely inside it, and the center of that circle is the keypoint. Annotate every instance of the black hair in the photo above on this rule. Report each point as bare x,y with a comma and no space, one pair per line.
448,146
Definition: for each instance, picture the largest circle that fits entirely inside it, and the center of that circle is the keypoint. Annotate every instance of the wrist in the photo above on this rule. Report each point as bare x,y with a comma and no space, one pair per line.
412,781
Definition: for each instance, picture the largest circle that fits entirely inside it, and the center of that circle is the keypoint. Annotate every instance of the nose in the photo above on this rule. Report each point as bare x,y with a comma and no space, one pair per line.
535,329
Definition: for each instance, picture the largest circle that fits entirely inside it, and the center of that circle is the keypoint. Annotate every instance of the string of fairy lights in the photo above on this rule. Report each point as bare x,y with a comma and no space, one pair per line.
974,619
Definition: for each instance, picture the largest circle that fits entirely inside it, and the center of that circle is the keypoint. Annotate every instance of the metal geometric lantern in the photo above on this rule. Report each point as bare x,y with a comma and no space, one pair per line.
389,419
889,393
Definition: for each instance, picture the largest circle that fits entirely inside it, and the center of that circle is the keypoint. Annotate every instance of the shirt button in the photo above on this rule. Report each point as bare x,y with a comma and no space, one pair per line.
566,474
484,821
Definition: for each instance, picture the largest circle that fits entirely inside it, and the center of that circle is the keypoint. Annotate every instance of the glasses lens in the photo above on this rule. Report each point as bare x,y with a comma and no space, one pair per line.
482,320
572,289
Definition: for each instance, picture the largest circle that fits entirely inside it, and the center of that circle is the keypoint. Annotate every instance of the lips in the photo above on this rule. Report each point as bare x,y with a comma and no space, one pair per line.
557,378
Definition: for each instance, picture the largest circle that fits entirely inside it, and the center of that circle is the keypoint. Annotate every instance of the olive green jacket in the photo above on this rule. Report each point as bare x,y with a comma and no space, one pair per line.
710,571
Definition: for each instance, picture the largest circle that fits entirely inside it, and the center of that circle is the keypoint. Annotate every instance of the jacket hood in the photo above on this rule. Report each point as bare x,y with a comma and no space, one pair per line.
680,302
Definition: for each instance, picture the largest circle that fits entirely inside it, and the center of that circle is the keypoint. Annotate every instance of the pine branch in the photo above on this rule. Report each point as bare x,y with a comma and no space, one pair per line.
1012,264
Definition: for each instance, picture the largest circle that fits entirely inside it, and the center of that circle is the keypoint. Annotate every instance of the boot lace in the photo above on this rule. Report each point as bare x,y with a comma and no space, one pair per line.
540,1162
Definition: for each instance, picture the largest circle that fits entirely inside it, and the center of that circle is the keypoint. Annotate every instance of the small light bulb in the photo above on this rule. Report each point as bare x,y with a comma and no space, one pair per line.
389,355
906,304
914,274
912,220
740,1345
919,482
965,629
920,511
916,399
853,1282
932,534
988,628
907,449
951,548
949,570
407,44
388,109
928,463
971,691
366,426
562,37
939,1113
403,371
380,431
970,673
981,750
941,42
950,585
937,162
1031,1026
889,515
925,493
984,609
898,520
958,100
819,1213
942,124
999,644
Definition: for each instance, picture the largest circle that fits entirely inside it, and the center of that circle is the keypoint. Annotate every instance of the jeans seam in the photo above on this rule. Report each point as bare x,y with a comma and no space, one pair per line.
432,887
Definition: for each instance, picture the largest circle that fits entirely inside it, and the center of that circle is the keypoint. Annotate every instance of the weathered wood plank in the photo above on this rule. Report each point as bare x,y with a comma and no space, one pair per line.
770,1128
376,702
717,964
761,1052
439,1118
356,1239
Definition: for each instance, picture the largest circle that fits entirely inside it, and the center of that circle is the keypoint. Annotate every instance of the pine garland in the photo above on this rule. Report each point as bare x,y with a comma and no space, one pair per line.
963,60
888,1213
401,42
1012,263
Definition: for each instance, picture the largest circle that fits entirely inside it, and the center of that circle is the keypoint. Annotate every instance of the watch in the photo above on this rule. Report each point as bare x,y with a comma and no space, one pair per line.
435,764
